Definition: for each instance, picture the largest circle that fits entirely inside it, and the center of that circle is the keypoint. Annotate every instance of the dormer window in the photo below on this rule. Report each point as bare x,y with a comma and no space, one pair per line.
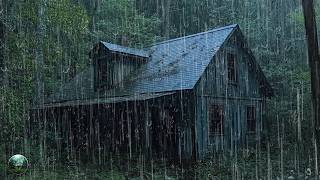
231,60
105,73
114,65
114,69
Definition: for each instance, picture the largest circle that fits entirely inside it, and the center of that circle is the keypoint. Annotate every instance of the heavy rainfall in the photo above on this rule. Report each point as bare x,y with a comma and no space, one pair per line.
159,89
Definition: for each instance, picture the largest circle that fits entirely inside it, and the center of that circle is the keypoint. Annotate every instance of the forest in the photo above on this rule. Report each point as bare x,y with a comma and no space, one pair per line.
45,43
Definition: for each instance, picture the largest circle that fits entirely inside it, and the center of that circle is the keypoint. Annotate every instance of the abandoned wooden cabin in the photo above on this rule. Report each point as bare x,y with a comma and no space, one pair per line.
179,98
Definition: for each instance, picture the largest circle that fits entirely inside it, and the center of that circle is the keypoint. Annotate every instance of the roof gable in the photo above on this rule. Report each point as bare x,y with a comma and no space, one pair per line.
264,85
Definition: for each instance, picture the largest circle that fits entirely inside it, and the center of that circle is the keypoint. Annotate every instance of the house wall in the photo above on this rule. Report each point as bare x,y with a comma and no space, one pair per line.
181,104
160,127
214,88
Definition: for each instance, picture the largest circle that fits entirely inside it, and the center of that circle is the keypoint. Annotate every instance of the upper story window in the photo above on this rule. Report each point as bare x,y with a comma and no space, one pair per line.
114,65
251,119
105,73
216,120
231,60
114,70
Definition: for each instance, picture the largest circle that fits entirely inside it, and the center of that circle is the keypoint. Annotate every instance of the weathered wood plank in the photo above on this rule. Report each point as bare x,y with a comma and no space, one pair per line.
214,88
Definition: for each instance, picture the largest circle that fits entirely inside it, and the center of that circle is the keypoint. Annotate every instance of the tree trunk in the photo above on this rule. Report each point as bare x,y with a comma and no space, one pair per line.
313,54
4,11
40,32
166,11
39,61
2,49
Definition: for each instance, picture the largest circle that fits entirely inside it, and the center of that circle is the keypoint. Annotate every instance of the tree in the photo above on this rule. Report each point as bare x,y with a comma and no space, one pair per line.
118,19
36,34
314,60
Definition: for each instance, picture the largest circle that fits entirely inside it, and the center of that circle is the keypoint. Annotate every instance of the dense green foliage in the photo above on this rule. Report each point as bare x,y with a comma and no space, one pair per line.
61,51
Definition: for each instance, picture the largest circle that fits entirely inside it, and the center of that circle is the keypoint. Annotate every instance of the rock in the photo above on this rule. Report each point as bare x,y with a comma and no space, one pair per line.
291,178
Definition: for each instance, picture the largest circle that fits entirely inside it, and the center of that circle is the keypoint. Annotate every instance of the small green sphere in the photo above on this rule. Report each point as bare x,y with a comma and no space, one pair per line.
18,164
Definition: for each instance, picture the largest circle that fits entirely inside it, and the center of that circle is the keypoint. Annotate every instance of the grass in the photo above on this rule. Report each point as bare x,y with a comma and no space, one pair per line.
246,164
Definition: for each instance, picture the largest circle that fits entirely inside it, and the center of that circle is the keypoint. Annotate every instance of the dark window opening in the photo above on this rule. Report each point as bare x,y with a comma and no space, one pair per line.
251,119
216,120
105,73
231,68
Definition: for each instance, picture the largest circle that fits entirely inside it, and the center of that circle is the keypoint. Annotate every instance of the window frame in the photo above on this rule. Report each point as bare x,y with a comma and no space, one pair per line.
107,80
232,69
251,120
211,119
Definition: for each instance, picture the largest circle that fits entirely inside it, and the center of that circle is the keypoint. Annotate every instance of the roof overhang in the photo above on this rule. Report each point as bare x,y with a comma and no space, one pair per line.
105,100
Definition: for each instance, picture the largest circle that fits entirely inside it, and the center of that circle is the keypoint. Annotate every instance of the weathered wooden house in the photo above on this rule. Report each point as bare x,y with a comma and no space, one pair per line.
179,98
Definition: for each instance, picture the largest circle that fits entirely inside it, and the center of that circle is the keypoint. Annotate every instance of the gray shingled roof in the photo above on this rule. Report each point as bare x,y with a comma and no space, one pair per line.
173,65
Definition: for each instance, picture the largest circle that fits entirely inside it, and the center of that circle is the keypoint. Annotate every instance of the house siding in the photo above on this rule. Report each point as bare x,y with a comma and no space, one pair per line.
214,88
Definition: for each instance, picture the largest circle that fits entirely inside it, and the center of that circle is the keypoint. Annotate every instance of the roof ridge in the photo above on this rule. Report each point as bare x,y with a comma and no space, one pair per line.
174,39
125,49
192,35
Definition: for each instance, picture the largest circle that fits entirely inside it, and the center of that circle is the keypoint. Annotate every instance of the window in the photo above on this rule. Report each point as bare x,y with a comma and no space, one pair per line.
231,68
105,73
216,120
251,119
